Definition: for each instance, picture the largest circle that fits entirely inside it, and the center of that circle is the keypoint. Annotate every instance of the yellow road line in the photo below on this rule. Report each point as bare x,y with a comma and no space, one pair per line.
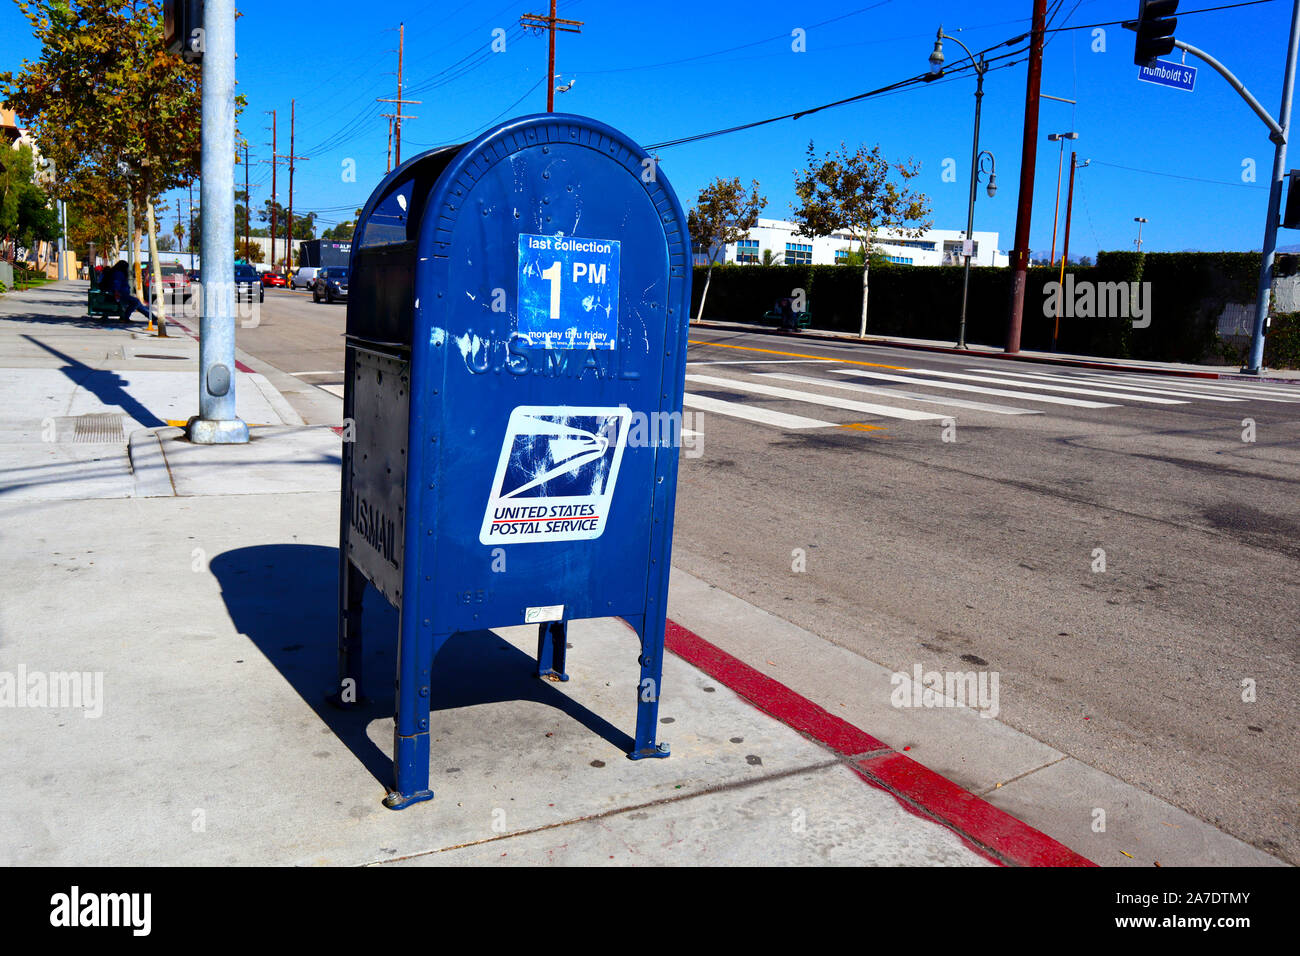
820,358
864,427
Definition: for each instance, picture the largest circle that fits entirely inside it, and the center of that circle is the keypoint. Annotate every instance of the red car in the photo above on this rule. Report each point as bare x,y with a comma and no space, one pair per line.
273,278
175,280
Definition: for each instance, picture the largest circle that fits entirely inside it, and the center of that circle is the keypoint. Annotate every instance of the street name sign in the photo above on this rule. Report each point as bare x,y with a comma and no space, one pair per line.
1180,76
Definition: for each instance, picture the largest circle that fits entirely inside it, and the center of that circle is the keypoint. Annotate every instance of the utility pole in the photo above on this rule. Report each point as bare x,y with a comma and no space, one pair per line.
248,201
396,118
1139,220
275,157
189,235
217,423
1028,157
1065,250
550,24
288,235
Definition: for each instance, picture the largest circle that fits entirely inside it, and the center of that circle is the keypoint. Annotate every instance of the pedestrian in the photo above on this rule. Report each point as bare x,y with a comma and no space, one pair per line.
786,310
116,284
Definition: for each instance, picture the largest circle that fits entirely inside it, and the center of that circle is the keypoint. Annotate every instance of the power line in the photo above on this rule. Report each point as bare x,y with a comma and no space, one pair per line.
1182,13
926,78
1194,179
465,138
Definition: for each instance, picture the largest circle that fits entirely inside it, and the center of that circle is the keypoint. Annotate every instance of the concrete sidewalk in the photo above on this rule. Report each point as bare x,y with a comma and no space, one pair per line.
1180,369
191,590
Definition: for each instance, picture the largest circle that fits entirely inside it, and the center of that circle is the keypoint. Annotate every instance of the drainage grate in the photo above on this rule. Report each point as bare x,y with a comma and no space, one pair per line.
102,427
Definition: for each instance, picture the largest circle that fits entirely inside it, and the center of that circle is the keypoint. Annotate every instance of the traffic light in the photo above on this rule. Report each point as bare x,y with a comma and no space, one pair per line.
1291,213
183,28
1155,30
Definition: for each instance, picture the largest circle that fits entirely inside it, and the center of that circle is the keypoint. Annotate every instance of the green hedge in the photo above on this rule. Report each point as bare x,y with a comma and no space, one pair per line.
1187,292
1281,345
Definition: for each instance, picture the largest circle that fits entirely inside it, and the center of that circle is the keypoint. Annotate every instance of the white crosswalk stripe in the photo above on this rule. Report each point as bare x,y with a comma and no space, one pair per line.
865,408
977,389
1237,390
1182,393
899,393
994,380
1027,387
753,413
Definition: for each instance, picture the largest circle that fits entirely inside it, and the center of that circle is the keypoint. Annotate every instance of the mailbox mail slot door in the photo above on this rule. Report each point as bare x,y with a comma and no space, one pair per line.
552,335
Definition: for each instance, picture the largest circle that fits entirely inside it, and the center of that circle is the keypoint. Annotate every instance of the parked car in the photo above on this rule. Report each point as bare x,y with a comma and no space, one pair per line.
246,280
331,285
176,283
273,279
304,278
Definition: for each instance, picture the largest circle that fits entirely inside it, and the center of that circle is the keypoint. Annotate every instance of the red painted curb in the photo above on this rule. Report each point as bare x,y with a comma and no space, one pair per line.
770,696
917,787
1013,840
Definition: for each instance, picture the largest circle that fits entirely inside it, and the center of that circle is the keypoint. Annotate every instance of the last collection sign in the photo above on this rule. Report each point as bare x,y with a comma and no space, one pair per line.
568,292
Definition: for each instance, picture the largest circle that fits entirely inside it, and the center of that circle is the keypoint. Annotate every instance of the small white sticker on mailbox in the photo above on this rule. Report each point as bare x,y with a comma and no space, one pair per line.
556,475
538,615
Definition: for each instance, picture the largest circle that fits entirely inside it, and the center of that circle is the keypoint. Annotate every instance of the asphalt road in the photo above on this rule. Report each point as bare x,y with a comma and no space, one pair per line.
973,539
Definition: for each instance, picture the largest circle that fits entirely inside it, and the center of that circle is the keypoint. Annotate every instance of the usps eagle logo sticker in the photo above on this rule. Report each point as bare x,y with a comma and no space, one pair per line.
556,474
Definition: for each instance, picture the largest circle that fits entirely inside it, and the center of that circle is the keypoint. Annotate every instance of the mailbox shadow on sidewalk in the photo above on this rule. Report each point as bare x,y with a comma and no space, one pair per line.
283,598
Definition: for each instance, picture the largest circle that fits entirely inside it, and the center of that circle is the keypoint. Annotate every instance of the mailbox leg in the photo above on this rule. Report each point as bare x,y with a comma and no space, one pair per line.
352,587
416,647
651,631
552,642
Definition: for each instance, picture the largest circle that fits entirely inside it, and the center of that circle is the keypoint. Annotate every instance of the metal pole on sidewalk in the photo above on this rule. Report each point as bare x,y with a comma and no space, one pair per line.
1256,358
217,422
980,70
130,241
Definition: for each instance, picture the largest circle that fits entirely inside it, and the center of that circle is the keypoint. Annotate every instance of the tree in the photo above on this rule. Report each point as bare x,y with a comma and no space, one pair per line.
106,102
26,210
241,212
340,233
252,252
304,223
723,214
854,193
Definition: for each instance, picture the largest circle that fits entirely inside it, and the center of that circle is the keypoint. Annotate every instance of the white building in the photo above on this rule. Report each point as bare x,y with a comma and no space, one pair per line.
937,247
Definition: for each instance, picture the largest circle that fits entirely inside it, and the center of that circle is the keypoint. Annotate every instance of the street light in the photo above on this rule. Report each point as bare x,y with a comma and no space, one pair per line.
1056,209
1139,220
1065,248
976,158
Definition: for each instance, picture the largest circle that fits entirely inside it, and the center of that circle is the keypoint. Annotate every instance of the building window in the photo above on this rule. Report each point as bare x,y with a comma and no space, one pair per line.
901,260
798,254
747,251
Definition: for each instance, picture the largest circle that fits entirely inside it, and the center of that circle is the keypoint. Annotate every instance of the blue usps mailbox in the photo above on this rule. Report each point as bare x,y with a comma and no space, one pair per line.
516,348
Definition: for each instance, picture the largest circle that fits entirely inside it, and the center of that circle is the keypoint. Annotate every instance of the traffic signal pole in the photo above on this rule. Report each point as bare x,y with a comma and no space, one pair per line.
1155,26
1255,360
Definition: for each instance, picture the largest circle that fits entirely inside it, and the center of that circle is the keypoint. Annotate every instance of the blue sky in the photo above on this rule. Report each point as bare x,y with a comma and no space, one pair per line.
671,69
